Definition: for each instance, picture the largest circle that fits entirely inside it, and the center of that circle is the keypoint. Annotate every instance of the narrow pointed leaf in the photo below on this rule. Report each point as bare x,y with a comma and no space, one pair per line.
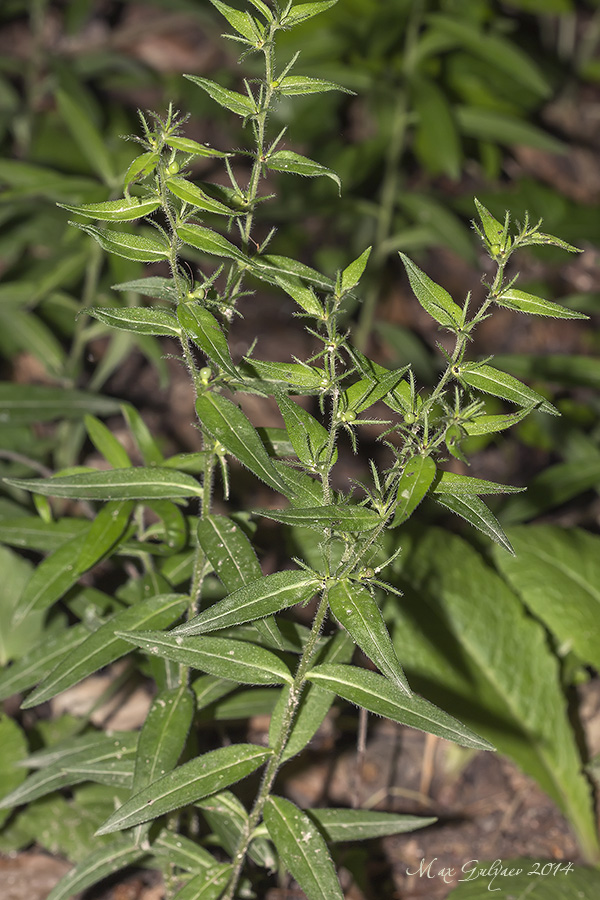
461,485
106,531
300,12
415,481
229,551
23,404
137,319
186,145
141,167
433,298
112,772
207,886
153,286
227,818
228,424
127,209
375,693
110,858
163,735
195,196
103,646
182,852
59,755
240,104
52,578
288,161
135,483
492,424
273,265
348,518
353,273
257,599
86,135
149,449
106,443
302,849
296,85
304,296
364,824
243,22
355,609
31,668
308,378
492,228
190,782
205,331
309,438
236,660
138,247
492,381
474,511
535,306
210,242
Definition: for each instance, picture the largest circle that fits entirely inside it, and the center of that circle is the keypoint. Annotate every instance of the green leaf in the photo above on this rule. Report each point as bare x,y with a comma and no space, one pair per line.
121,742
149,449
195,196
437,142
494,668
32,533
300,12
134,483
466,485
302,849
493,424
415,481
24,404
236,660
110,858
492,381
434,299
86,135
14,750
138,247
177,850
229,551
364,824
378,695
272,265
227,819
140,168
210,242
192,147
107,530
263,597
364,393
354,272
52,578
28,670
357,611
347,518
15,640
296,85
513,879
199,324
556,572
306,378
104,646
153,286
474,511
106,443
113,772
228,424
494,231
190,782
137,319
240,104
291,284
535,306
163,735
309,438
489,125
288,161
127,209
207,886
243,22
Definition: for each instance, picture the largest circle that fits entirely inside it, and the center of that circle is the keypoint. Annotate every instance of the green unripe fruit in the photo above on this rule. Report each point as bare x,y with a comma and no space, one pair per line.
205,374
173,168
349,416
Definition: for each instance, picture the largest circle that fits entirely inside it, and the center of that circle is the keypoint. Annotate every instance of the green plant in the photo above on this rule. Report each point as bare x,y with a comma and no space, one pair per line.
200,572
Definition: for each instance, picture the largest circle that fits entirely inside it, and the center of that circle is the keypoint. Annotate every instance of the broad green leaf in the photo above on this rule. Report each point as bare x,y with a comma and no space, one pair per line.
153,286
186,145
347,518
302,849
465,638
14,750
202,327
182,852
138,247
137,319
32,667
492,424
134,483
415,481
227,818
207,886
228,424
188,783
127,209
309,438
534,879
492,381
288,161
489,125
364,393
437,142
303,295
300,12
364,824
104,646
243,22
106,531
240,104
254,600
140,168
106,443
195,196
353,273
378,695
295,85
271,264
230,553
149,449
552,487
535,306
301,489
23,404
110,858
433,298
163,735
86,135
210,242
556,572
357,611
461,485
474,511
493,230
236,660
15,640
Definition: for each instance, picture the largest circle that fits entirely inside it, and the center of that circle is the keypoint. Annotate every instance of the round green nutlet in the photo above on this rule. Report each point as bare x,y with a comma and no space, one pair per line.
349,416
205,374
496,249
367,573
173,168
409,418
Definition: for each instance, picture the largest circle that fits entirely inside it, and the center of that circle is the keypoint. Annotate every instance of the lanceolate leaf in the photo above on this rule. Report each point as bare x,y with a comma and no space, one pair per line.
137,319
113,772
461,485
466,639
186,145
125,210
474,511
302,849
205,331
152,286
433,298
415,481
288,161
364,824
293,85
240,104
28,670
190,782
300,12
134,483
106,443
163,735
110,858
210,242
349,518
380,696
230,553
227,819
103,646
492,381
182,852
138,247
195,196
535,306
237,660
106,531
309,438
229,425
355,609
23,404
492,424
207,886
